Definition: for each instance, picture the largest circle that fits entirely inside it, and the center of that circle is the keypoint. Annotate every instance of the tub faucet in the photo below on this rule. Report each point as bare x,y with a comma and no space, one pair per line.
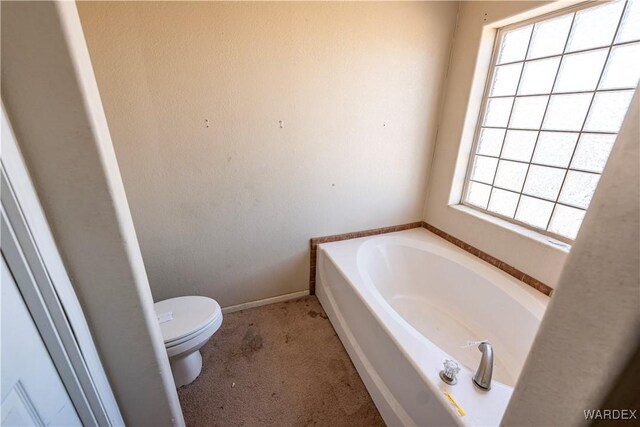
482,378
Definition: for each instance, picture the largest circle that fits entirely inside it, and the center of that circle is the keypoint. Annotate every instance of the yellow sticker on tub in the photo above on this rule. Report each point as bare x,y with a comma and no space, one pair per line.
454,403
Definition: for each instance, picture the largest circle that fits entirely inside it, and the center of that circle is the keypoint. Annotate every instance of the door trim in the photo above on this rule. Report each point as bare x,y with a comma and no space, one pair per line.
31,254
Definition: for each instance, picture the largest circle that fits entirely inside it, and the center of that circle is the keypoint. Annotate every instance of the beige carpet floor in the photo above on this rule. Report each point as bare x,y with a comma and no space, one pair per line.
277,365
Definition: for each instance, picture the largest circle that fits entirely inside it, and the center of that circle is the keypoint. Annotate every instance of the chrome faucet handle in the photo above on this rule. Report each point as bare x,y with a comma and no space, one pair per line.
448,374
482,378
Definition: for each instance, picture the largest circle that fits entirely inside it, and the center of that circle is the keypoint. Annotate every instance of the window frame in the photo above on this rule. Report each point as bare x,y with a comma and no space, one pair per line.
485,98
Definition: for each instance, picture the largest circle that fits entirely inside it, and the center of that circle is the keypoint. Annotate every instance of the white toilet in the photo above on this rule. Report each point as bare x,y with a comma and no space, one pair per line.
187,323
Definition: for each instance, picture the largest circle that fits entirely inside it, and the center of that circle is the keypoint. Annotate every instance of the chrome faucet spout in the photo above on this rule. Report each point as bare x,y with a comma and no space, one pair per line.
482,378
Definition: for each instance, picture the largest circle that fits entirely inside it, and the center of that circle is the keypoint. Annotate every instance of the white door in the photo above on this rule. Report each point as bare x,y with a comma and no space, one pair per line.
32,392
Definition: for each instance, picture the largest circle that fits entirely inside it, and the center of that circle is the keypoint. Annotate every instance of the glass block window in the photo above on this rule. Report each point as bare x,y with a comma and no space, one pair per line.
558,90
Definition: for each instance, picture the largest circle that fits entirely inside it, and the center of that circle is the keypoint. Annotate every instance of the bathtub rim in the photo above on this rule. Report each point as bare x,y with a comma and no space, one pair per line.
520,275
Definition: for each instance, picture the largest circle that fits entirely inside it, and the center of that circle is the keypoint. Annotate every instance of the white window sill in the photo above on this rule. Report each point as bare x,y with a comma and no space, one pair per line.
523,231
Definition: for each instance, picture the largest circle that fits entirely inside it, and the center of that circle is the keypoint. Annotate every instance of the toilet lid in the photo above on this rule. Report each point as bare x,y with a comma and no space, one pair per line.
188,315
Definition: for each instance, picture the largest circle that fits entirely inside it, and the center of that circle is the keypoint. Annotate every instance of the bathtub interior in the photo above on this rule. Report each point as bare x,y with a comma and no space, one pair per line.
451,304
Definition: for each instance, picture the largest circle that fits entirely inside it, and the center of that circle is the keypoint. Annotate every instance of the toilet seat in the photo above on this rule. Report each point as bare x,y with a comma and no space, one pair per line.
195,341
191,316
214,324
216,320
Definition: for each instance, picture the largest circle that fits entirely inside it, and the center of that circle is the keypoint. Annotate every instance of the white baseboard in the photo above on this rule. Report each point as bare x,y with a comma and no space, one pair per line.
258,303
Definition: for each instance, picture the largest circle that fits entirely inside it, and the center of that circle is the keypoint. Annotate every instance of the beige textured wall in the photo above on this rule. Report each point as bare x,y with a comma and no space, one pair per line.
227,210
471,55
590,329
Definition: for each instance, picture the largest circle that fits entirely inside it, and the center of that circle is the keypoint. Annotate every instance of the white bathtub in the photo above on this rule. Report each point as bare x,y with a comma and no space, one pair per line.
404,302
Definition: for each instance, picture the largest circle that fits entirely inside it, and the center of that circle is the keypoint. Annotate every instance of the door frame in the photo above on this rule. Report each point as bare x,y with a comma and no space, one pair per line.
31,254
